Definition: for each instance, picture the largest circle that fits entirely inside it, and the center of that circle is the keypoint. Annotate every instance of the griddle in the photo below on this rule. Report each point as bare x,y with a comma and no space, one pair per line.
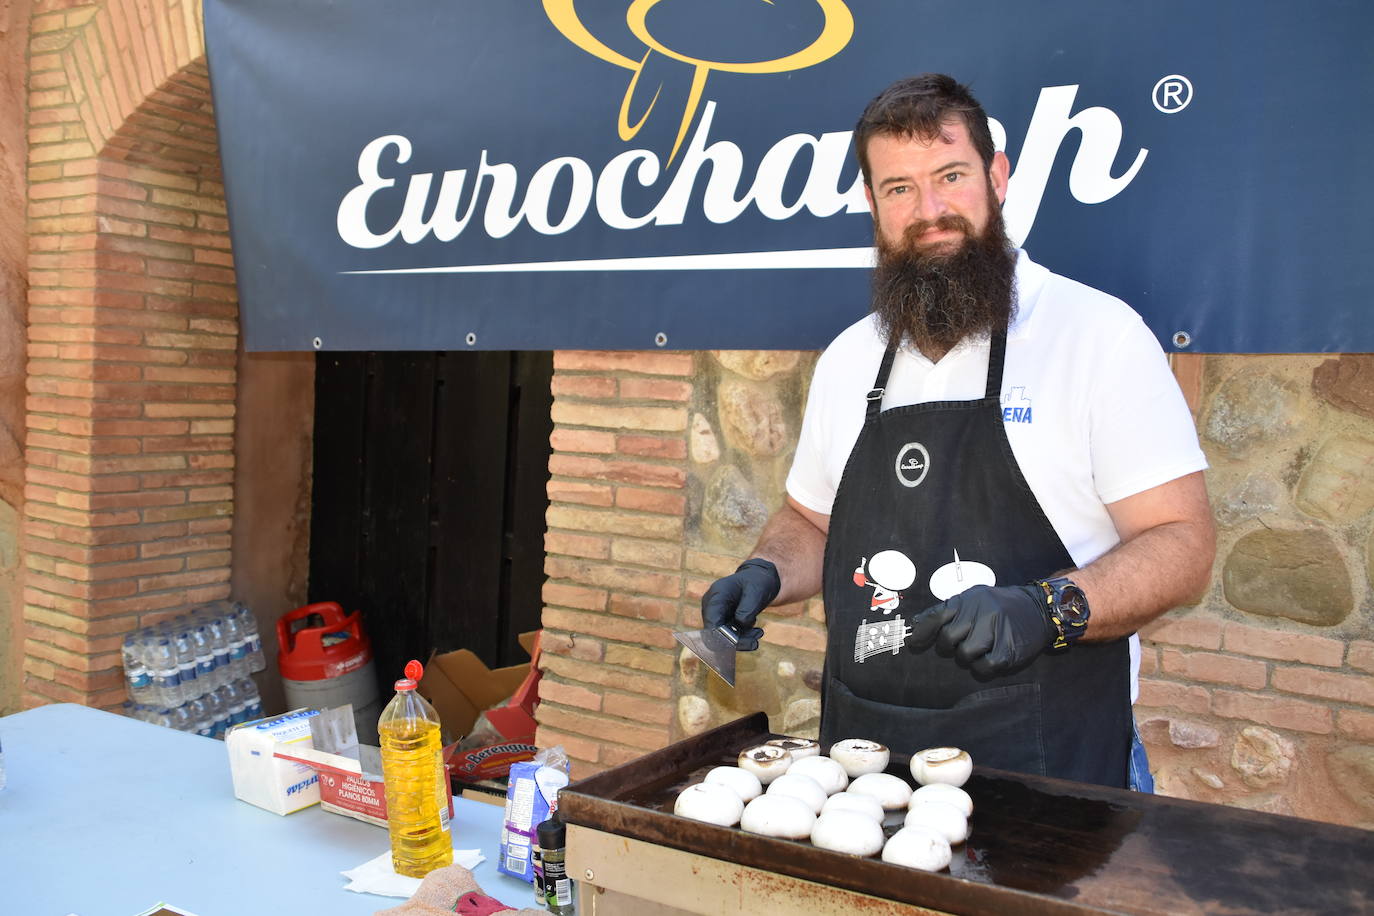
1037,845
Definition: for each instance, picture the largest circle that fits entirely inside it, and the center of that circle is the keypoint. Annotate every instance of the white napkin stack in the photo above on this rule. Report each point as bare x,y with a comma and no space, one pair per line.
376,876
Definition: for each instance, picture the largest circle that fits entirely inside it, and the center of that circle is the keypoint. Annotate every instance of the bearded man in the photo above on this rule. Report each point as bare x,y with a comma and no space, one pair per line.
1004,453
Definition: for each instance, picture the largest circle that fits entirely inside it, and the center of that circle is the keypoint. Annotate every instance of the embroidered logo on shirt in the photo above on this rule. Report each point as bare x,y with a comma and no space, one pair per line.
913,461
1016,407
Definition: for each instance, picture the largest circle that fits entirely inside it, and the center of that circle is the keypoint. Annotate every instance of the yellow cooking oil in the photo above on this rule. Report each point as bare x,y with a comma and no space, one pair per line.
413,770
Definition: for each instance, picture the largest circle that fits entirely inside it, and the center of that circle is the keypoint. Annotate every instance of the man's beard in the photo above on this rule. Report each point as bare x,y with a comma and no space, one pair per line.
935,299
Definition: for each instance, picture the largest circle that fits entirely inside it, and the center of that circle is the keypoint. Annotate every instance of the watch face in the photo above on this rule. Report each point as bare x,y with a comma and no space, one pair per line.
1073,604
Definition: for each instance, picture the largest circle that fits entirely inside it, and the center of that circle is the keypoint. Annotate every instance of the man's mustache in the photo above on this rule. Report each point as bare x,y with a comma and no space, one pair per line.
950,222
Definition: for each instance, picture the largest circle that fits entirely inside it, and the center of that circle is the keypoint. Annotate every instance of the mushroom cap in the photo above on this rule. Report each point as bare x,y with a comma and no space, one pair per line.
942,817
918,847
829,773
779,816
859,756
940,791
849,801
765,761
801,786
745,784
709,802
892,792
849,832
948,765
797,747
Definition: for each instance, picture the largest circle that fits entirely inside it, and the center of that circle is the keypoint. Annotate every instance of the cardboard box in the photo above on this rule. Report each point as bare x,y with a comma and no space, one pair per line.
349,774
461,688
265,778
346,788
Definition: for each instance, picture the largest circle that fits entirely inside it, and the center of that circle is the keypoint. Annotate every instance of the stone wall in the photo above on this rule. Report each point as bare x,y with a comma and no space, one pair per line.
1261,695
667,465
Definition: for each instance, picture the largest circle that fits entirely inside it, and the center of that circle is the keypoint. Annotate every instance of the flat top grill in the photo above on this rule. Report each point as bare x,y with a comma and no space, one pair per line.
1037,846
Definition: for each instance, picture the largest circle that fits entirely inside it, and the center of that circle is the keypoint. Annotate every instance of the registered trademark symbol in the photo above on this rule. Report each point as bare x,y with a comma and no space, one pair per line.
1172,94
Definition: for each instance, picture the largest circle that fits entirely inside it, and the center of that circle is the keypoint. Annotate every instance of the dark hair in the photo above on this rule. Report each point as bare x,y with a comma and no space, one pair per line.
916,107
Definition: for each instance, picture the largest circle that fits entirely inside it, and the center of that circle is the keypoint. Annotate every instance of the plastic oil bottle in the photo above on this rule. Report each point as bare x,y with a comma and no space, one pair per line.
413,769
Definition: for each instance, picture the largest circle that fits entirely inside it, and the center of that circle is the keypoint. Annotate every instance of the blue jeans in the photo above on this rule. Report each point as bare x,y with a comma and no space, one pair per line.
1139,776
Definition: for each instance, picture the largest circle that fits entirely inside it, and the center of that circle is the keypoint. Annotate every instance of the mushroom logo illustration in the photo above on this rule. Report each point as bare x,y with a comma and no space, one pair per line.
888,571
835,32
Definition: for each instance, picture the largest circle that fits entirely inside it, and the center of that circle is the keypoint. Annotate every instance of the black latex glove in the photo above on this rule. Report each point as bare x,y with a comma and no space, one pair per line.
739,598
992,630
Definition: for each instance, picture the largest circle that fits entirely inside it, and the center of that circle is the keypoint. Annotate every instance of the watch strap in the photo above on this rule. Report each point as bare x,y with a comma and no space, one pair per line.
1068,628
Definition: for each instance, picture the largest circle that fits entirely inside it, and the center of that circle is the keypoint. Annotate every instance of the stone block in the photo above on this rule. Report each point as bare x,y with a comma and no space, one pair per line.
752,418
704,447
1251,409
1294,574
1262,758
733,506
693,715
758,364
1338,483
1347,382
1352,770
1253,497
802,718
1193,735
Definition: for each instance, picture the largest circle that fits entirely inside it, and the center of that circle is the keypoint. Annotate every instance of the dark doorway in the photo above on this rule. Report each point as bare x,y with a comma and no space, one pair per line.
429,498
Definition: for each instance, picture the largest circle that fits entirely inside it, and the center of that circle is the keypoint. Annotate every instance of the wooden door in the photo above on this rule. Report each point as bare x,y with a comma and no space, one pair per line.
429,499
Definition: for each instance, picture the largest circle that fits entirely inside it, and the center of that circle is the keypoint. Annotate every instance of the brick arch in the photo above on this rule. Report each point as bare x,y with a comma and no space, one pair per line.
133,330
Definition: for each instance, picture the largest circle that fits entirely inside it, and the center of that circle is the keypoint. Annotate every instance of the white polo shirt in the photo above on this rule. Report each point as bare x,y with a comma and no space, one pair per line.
1091,409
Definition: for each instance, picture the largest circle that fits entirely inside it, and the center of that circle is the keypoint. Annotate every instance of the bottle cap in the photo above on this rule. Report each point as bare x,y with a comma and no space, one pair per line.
414,671
552,834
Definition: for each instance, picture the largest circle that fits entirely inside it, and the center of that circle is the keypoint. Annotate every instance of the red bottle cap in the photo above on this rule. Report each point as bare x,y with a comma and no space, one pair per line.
414,671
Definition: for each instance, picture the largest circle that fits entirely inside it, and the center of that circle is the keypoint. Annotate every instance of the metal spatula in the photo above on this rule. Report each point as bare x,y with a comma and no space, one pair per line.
715,647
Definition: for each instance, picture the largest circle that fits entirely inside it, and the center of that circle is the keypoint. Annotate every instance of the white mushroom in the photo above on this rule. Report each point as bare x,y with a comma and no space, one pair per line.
765,761
941,764
745,784
859,756
848,801
709,802
824,770
918,847
801,787
778,816
848,832
892,792
797,747
943,818
950,795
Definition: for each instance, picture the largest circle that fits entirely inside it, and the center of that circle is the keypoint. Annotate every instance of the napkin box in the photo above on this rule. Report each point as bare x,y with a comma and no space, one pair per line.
261,777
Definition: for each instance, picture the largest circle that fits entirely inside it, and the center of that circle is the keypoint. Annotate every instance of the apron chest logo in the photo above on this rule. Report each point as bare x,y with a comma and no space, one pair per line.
913,461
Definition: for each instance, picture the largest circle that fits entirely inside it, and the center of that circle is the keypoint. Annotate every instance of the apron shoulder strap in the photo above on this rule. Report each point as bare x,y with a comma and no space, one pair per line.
875,396
997,358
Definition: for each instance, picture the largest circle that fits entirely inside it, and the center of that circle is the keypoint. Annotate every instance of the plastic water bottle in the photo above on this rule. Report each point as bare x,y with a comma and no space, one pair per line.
181,718
413,767
205,657
200,716
219,716
166,681
238,645
252,700
257,661
219,645
233,703
187,671
136,676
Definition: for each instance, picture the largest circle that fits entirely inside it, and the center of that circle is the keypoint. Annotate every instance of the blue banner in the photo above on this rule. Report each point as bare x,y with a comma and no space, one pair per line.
631,174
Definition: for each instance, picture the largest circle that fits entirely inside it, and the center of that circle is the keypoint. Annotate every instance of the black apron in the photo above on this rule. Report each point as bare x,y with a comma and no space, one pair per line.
931,501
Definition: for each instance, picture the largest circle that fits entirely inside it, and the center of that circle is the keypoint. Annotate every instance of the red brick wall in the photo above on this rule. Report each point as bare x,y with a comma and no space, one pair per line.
618,583
133,327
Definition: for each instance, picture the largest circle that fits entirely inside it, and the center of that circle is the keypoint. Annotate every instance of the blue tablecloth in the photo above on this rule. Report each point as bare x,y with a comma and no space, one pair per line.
106,816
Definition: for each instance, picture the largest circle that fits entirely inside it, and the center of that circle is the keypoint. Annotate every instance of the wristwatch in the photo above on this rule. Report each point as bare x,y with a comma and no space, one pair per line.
1067,609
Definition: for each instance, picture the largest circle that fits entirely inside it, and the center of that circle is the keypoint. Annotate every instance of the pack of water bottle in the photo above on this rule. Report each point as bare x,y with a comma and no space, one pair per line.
192,672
